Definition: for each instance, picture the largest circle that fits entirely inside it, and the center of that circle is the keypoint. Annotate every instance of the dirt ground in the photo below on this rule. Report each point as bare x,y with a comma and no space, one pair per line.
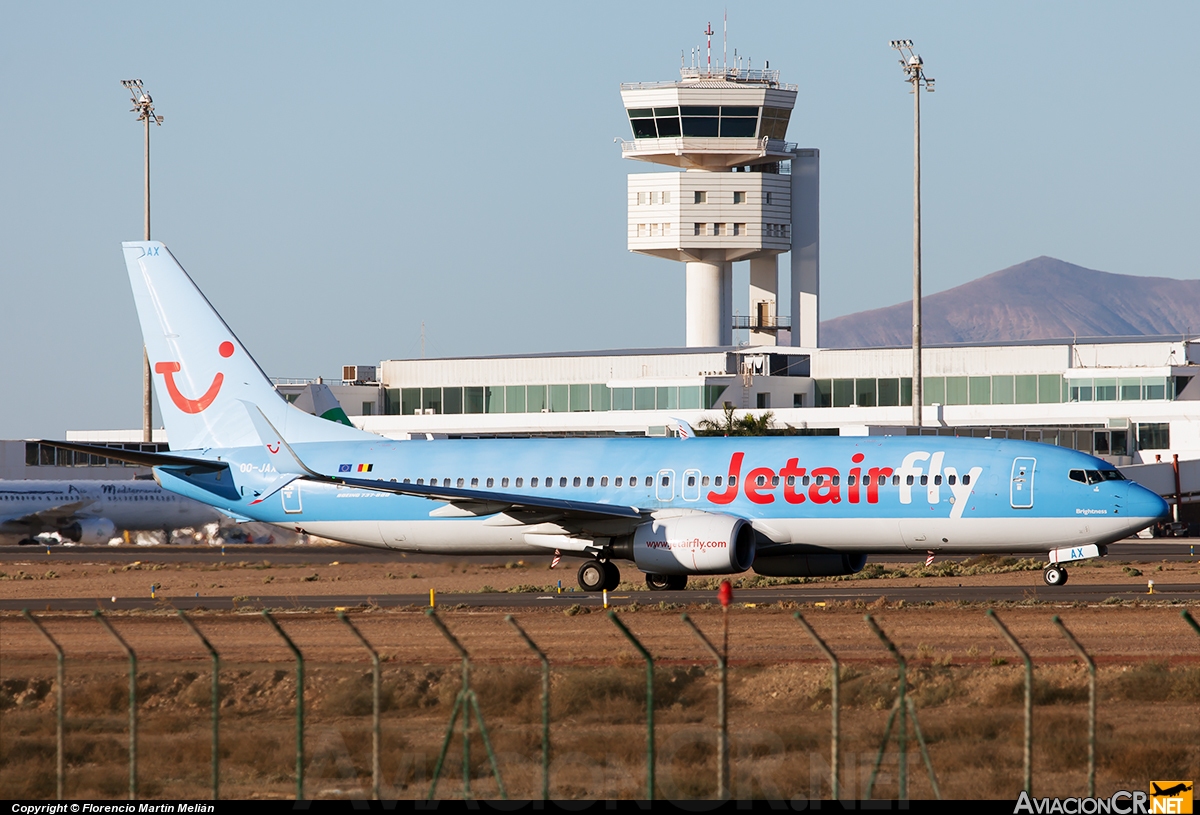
966,683
249,572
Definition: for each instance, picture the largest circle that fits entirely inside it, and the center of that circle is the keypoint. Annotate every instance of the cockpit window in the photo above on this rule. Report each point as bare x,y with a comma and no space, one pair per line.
1095,476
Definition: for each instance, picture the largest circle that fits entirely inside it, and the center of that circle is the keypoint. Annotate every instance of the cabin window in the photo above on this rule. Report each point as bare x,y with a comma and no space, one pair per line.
420,480
717,481
520,482
474,482
951,479
896,481
533,481
804,481
761,480
937,480
820,480
967,478
491,482
791,480
591,482
909,480
704,481
633,480
924,480
691,481
504,481
666,480
733,480
837,479
774,481
603,481
549,481
617,483
850,479
562,481
461,482
577,481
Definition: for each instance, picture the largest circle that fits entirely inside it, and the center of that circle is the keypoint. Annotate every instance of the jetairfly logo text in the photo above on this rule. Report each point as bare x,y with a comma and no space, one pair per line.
920,471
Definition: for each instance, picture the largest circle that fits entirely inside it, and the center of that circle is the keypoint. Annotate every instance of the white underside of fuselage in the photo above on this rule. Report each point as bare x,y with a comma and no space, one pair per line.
871,536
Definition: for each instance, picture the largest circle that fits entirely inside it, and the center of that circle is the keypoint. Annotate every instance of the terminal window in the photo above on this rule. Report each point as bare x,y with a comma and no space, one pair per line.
739,197
701,197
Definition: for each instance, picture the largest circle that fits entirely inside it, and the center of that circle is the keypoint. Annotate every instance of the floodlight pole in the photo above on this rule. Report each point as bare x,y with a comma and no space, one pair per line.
143,105
912,65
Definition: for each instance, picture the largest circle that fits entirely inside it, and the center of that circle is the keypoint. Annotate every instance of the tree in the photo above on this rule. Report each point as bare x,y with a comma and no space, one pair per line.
747,425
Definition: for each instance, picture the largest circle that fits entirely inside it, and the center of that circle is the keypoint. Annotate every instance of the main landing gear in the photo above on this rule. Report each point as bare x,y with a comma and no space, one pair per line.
599,575
1055,576
666,582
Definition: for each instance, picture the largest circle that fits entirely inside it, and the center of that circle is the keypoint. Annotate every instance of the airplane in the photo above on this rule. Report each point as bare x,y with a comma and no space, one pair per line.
1170,792
94,511
782,506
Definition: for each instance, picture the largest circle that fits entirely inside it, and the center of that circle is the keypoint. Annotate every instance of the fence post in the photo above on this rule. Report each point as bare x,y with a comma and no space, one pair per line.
375,682
612,615
216,704
722,711
299,704
60,770
835,701
902,709
545,705
466,700
1190,620
1091,667
1028,698
132,703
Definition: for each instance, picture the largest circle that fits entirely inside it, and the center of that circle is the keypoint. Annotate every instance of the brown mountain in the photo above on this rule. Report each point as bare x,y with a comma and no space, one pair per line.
1043,298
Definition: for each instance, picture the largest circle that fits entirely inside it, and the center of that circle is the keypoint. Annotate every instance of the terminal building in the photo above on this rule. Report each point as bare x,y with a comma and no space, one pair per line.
727,187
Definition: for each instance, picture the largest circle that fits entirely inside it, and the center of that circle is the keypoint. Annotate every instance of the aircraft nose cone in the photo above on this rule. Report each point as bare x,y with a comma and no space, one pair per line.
1142,503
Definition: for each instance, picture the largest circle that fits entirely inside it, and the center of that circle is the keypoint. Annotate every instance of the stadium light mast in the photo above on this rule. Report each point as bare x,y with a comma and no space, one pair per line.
143,106
914,73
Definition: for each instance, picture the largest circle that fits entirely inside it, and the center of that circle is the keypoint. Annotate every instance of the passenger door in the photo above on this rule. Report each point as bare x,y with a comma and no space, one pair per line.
1021,486
664,485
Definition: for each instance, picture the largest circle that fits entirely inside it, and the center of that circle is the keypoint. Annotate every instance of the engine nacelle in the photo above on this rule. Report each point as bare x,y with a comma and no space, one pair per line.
90,530
815,565
704,543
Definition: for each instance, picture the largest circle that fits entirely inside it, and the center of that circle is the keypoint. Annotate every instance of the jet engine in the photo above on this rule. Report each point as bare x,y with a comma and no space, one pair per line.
90,530
810,565
704,543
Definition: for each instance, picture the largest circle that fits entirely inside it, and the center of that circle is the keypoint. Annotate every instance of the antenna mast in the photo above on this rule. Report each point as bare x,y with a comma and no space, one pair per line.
709,32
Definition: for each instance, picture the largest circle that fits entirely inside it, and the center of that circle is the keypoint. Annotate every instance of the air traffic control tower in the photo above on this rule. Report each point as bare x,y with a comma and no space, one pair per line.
739,191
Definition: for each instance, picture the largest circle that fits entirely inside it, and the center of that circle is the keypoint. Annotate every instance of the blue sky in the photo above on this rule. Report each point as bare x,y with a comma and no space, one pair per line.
334,174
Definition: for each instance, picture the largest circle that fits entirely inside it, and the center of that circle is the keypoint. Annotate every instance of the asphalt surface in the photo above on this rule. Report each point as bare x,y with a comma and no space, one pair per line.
940,591
1133,550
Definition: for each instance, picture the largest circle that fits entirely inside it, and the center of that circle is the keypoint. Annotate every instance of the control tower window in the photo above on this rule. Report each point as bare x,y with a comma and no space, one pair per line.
701,121
739,122
642,121
667,120
775,122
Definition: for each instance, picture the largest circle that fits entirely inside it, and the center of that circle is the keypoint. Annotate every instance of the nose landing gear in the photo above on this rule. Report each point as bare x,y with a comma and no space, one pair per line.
1055,576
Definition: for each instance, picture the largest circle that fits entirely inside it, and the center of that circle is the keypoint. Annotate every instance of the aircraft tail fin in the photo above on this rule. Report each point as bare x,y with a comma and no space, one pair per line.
202,373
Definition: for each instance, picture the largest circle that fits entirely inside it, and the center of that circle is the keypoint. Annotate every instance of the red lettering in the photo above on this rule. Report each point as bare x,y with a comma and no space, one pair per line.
735,469
874,476
823,490
791,475
754,491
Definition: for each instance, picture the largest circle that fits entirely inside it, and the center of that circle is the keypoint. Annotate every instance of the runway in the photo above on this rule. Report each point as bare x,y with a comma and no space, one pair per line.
867,591
1133,550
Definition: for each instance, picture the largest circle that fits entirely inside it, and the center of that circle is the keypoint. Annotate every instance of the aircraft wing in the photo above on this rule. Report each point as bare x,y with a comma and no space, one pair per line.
494,501
45,518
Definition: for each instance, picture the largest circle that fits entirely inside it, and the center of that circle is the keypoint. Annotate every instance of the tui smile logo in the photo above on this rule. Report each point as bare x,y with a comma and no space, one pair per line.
168,371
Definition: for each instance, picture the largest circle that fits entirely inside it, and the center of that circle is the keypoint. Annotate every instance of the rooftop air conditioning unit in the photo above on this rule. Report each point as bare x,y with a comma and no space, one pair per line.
358,374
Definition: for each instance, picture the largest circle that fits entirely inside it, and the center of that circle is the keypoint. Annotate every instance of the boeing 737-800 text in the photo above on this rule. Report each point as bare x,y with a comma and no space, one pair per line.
778,505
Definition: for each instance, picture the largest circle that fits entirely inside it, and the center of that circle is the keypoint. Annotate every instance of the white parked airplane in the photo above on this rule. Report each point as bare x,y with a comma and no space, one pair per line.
95,511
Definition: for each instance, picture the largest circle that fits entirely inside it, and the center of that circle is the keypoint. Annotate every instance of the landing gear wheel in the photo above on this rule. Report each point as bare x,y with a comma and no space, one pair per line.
666,582
612,575
592,575
1055,576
